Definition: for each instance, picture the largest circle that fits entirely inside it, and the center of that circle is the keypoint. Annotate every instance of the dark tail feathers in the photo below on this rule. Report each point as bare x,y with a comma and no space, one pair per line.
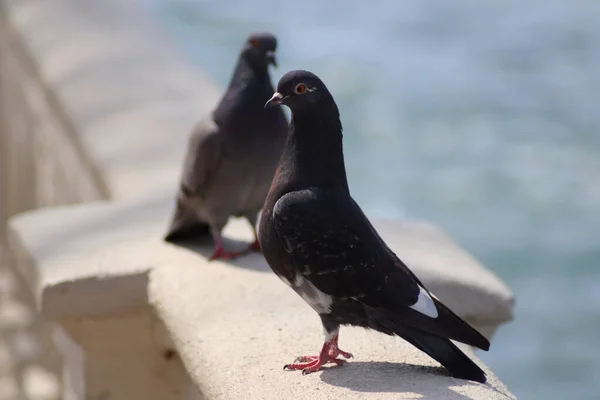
440,349
458,329
446,353
185,225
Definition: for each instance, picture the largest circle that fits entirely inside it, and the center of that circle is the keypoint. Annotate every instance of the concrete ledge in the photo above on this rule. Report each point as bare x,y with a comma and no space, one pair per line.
235,324
55,256
246,327
97,243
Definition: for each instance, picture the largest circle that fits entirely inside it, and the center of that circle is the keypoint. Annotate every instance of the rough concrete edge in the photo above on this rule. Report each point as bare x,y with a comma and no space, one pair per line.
53,102
128,290
73,293
106,238
133,289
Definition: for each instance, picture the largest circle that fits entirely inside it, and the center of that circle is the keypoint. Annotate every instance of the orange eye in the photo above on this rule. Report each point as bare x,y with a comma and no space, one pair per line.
300,88
254,42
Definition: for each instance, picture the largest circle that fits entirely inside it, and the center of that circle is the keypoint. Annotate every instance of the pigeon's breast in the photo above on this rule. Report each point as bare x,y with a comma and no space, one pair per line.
239,186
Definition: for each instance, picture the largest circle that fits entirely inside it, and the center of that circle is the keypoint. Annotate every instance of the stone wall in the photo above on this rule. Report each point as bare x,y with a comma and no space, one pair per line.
96,105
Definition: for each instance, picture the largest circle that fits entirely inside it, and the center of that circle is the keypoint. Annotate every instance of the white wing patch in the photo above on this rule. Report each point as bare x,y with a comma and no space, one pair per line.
425,304
319,301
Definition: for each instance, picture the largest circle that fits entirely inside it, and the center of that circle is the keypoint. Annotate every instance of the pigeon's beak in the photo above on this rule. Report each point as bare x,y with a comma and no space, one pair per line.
276,100
270,54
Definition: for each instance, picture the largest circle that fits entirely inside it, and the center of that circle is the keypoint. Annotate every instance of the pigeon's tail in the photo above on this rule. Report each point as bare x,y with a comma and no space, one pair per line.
446,353
437,347
456,328
442,350
185,225
431,316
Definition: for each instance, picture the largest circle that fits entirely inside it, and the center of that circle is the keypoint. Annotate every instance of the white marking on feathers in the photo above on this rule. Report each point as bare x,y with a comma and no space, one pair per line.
298,281
330,335
319,301
425,304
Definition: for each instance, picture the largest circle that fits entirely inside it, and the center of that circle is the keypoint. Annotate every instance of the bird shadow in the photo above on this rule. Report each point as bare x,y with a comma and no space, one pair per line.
204,247
371,377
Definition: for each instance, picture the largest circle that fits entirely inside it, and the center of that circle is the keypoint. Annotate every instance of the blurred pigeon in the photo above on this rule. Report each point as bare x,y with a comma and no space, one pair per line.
318,241
232,155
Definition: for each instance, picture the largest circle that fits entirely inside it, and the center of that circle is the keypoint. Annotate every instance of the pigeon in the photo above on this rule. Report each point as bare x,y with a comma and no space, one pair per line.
232,154
318,241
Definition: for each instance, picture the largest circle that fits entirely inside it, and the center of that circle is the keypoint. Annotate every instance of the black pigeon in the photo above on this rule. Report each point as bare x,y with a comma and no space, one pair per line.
317,240
232,154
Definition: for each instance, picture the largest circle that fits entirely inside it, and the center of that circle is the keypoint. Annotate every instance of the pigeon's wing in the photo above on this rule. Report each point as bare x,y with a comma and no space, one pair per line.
202,159
334,246
204,154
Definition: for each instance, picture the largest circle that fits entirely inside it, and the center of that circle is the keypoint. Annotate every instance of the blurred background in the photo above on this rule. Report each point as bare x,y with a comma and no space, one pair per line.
478,116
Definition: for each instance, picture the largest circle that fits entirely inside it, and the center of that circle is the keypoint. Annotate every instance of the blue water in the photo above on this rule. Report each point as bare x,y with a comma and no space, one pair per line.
481,116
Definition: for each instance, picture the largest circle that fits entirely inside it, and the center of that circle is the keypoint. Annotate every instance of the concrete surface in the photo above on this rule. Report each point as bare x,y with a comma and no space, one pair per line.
231,358
125,244
97,104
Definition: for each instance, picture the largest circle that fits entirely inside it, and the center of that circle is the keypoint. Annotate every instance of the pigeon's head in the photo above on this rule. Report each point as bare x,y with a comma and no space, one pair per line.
300,90
259,49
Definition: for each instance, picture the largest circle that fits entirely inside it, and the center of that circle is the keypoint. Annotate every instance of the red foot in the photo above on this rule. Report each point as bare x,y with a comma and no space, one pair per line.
221,253
329,354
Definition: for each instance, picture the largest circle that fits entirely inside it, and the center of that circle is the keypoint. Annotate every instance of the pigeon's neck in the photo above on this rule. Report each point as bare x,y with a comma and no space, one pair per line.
246,74
314,151
243,101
